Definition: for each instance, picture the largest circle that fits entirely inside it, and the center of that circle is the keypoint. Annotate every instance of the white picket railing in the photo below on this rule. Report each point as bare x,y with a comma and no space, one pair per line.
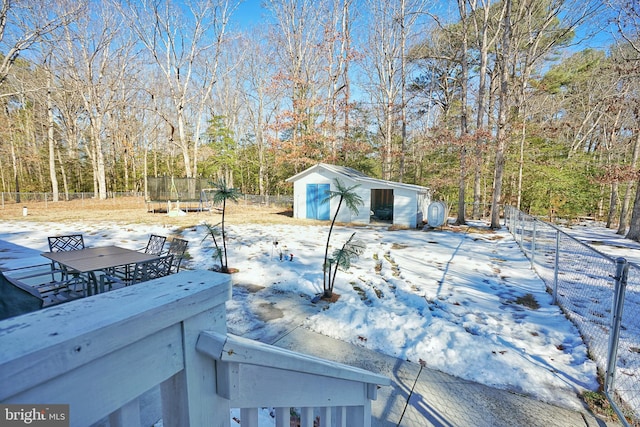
100,354
253,375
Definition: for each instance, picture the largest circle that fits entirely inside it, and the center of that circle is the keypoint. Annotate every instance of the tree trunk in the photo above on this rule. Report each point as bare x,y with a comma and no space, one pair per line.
63,172
501,134
388,140
14,164
51,143
613,204
523,137
261,148
463,113
101,177
624,212
403,107
485,45
634,224
184,143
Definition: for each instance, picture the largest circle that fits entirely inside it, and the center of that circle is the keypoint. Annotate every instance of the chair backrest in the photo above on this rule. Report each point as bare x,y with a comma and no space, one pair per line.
17,298
177,248
155,244
70,242
147,270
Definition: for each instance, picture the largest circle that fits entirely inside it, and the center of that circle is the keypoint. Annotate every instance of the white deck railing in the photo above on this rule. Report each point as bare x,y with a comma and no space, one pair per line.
100,354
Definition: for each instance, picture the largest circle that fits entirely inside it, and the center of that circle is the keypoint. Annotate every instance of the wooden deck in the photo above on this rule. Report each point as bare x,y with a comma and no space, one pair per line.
100,354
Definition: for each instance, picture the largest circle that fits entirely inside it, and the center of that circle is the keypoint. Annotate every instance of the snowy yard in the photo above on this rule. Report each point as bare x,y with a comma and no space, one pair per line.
460,300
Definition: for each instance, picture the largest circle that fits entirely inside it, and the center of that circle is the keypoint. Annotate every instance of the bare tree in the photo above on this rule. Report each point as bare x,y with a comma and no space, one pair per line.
626,201
69,114
226,107
384,63
410,11
185,45
97,56
503,60
464,129
338,55
261,97
627,19
51,140
24,23
298,33
485,21
531,31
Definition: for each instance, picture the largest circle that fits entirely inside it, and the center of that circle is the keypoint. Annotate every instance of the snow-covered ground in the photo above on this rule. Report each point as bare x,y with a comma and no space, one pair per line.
605,240
458,300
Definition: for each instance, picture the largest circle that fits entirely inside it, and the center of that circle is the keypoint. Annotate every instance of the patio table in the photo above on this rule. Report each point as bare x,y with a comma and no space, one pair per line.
90,260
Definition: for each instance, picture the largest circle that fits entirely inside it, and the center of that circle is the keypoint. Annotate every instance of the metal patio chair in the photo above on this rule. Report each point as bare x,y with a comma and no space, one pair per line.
142,271
155,245
177,248
69,242
63,243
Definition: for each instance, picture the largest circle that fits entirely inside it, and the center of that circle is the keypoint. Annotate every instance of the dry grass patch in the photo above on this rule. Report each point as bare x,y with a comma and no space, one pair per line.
528,301
135,210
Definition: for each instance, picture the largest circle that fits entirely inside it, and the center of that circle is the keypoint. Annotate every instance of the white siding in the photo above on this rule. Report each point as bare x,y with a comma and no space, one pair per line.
404,208
346,215
326,177
408,202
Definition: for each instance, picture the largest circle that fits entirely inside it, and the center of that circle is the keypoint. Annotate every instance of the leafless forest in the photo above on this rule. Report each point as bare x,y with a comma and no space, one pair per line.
524,102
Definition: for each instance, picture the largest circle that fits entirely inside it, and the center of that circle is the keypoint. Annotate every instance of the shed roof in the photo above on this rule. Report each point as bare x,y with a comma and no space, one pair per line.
357,176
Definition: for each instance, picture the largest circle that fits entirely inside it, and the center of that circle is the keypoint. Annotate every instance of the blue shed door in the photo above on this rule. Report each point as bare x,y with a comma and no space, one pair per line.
317,207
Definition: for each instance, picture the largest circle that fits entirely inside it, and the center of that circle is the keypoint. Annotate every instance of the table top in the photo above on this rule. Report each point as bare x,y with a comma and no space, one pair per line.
98,258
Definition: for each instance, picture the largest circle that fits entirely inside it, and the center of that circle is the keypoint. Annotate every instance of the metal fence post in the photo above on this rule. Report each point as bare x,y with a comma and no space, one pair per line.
504,218
533,245
518,227
556,268
512,215
622,270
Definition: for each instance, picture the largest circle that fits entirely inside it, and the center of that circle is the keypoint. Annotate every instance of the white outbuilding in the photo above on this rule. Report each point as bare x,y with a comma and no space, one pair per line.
403,205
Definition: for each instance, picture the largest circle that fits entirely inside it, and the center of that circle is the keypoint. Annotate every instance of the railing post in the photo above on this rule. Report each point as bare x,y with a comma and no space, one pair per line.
283,417
622,270
556,268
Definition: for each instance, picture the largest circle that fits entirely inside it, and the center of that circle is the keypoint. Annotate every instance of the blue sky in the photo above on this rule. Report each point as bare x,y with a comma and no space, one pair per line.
249,13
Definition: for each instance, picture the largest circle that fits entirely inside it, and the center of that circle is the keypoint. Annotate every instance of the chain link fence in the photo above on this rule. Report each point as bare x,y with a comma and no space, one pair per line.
204,202
599,294
8,197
